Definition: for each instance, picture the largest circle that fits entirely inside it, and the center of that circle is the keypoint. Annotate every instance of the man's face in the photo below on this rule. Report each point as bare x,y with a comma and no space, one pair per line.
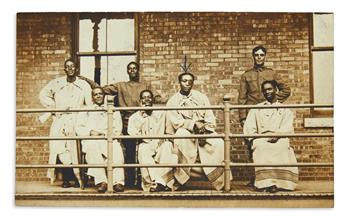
98,96
70,69
132,71
269,92
186,83
146,99
259,57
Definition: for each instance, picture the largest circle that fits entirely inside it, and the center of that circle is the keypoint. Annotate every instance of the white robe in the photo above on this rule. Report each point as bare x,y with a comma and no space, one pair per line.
261,121
153,151
97,150
180,123
61,94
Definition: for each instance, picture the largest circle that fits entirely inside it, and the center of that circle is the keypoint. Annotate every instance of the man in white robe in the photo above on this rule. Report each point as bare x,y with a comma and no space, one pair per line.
189,122
68,92
95,124
152,151
272,150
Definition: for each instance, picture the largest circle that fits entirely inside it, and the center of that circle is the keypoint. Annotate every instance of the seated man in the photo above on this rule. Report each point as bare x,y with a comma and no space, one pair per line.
272,150
95,124
151,151
189,122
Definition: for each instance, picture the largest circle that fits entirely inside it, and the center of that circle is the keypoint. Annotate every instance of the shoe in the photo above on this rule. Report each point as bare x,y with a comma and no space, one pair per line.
272,189
250,184
118,188
66,184
76,184
283,189
102,187
260,189
158,187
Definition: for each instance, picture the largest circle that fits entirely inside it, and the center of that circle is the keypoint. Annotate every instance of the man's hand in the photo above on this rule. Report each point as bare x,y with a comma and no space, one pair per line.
242,122
272,140
96,133
199,127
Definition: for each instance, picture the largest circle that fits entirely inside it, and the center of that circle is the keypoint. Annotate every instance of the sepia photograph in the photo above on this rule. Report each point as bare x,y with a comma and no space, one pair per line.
174,109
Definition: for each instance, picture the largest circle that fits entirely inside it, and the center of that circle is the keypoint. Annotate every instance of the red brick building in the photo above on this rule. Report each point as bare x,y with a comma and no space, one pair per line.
217,44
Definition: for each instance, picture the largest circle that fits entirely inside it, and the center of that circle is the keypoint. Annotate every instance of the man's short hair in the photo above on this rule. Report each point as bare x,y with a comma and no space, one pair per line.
257,48
185,73
145,90
98,87
69,60
272,82
135,63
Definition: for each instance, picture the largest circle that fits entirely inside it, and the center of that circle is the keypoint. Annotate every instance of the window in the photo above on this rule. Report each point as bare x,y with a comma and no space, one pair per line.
322,47
105,45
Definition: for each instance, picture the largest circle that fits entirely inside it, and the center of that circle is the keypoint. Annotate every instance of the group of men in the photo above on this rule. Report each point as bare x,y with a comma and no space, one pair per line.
258,85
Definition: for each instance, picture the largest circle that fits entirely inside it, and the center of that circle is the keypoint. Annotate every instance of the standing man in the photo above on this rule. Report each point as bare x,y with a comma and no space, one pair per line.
152,151
68,92
250,87
273,150
189,122
127,95
95,124
250,83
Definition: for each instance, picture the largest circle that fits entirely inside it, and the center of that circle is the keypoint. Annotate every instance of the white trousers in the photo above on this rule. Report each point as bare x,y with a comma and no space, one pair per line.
152,153
96,153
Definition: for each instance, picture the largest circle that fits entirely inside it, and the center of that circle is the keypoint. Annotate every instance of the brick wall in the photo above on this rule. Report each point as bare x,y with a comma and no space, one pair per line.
217,44
219,47
43,44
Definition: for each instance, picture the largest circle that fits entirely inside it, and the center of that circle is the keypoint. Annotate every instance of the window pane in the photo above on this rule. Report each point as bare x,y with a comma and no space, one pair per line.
86,35
120,35
113,68
87,67
323,30
323,76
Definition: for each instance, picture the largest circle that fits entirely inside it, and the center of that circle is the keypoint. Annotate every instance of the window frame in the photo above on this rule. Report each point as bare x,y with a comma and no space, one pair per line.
314,111
76,17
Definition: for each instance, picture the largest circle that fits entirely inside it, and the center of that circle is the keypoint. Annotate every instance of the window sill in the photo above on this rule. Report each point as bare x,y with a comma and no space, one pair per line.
318,122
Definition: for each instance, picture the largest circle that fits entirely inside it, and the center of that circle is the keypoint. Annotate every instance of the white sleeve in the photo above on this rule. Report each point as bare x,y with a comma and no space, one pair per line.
117,124
82,128
177,120
46,95
135,124
286,126
250,125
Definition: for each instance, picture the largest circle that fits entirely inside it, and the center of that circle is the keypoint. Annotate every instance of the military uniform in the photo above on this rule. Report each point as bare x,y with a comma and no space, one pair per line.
250,87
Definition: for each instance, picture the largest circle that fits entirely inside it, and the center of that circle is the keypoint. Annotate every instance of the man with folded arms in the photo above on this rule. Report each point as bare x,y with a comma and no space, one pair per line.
152,151
95,124
191,122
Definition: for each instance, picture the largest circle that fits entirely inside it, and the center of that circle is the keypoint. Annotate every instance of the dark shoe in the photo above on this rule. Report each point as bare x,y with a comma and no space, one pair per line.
260,189
102,187
158,187
76,184
118,188
284,190
250,184
66,184
272,189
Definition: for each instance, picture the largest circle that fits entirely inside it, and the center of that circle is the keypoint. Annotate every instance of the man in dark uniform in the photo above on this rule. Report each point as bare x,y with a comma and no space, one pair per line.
250,86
